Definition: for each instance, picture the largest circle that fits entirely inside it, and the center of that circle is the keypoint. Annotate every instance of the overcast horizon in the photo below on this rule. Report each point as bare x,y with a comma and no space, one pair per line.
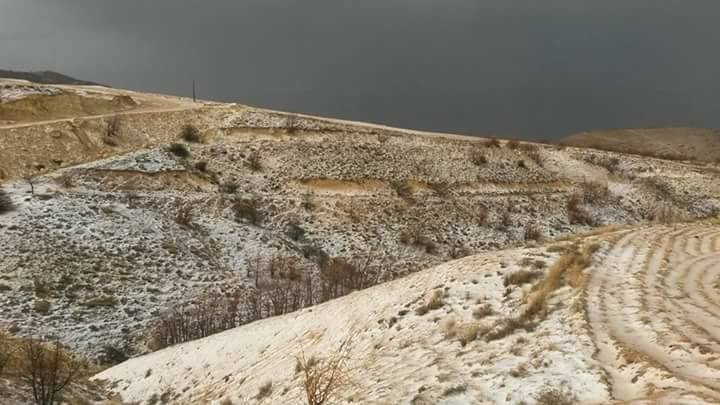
510,67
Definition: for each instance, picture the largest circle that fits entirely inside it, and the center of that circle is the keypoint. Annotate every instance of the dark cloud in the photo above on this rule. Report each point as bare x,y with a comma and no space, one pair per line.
518,67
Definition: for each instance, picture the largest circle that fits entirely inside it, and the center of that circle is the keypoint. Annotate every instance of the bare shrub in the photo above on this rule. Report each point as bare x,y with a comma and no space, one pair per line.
291,124
229,188
403,190
307,202
184,215
6,203
190,133
506,218
442,189
482,311
179,150
535,156
112,131
324,380
477,157
532,232
265,390
48,369
254,161
512,144
247,210
593,192
576,213
65,180
201,166
491,143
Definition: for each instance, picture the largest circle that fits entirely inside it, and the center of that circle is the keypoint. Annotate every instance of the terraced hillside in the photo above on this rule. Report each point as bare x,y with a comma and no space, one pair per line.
125,221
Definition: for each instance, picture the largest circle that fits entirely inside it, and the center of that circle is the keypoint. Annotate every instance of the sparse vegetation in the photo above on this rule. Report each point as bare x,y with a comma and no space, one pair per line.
555,396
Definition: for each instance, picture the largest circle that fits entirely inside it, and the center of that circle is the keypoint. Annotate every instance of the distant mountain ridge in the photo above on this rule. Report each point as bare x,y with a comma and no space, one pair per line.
44,77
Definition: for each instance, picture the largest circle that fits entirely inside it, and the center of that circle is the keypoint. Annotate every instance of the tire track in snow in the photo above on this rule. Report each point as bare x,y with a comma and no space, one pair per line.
654,312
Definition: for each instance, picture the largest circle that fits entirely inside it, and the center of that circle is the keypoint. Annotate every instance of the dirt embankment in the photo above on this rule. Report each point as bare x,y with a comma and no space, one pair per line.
667,143
63,105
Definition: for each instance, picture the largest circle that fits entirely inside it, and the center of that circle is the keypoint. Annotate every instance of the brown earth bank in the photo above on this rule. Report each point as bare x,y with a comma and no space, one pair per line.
667,143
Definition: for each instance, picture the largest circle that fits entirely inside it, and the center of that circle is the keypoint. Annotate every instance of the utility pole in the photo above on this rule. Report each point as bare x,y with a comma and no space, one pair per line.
194,99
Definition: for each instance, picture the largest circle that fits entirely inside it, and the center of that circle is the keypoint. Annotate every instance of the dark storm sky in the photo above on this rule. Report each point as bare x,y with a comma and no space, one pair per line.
529,68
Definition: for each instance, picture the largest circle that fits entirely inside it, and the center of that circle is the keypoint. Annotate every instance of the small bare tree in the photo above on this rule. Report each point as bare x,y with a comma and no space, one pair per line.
48,369
324,379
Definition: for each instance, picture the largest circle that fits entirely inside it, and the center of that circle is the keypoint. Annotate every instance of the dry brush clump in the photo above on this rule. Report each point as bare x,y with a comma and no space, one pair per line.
520,277
435,301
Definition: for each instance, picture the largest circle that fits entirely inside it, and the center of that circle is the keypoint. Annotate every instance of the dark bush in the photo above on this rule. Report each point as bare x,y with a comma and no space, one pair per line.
6,204
202,166
190,133
477,157
179,150
491,143
402,189
246,210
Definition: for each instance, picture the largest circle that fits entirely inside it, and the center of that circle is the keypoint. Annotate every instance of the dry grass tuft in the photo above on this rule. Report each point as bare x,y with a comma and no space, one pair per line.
569,268
520,277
